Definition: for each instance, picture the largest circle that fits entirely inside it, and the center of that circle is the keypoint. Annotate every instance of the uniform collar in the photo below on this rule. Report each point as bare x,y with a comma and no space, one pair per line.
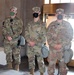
37,21
59,23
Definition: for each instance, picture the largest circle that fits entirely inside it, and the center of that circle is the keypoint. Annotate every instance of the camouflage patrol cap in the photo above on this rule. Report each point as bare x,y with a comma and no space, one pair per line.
60,10
36,9
13,7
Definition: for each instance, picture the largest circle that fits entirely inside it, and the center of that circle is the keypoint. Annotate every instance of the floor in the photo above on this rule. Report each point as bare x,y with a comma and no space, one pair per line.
25,71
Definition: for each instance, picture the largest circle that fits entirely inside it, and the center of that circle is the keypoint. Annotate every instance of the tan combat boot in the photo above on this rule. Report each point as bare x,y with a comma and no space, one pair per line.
9,65
32,72
41,73
17,67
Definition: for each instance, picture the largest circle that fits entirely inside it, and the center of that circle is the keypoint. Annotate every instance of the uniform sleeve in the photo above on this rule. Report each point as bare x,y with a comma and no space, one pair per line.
19,29
27,35
5,29
43,33
68,35
70,32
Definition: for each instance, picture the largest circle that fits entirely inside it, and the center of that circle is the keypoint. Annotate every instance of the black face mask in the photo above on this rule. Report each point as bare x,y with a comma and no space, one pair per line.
60,17
35,15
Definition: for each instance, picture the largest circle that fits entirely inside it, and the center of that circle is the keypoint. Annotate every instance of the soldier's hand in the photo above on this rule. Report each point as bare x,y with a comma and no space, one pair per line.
31,43
9,38
58,46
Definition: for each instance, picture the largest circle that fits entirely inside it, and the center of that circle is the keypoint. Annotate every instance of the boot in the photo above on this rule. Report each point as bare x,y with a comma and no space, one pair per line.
41,73
17,67
32,72
9,65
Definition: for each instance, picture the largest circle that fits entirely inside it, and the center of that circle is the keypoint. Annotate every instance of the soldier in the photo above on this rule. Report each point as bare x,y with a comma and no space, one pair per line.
35,36
12,28
59,36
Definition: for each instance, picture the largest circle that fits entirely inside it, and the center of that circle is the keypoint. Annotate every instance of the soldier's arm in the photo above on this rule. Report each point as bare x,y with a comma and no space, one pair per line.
68,35
27,34
43,33
70,32
5,29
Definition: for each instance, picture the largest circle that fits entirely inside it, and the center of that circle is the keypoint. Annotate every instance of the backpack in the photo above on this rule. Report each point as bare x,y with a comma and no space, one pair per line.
45,51
21,41
68,54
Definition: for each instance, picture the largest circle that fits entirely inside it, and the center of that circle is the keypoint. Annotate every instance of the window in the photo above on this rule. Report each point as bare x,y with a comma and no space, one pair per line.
55,1
46,1
58,1
65,1
72,1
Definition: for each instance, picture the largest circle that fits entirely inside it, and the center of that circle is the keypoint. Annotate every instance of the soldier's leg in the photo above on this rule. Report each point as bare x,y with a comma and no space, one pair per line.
40,60
62,65
31,60
62,68
17,59
8,52
41,64
52,58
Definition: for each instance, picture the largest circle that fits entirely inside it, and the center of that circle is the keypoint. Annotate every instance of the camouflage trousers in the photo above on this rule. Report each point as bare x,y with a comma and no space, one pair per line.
52,58
32,51
12,50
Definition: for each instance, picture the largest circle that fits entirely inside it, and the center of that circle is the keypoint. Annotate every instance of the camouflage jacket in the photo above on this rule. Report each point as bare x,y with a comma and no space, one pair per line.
36,31
12,28
59,33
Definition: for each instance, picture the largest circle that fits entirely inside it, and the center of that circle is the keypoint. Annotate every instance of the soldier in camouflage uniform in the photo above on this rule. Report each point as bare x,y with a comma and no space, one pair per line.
59,35
12,28
35,36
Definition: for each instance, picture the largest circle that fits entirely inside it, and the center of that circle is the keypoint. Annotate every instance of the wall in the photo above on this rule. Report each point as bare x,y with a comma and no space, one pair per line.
51,8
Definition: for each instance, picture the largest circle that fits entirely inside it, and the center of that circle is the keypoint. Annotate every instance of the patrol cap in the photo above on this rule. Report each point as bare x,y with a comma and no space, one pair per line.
36,9
60,10
13,7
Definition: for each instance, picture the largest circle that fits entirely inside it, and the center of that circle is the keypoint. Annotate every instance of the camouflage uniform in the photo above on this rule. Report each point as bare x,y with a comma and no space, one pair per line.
12,29
58,33
35,31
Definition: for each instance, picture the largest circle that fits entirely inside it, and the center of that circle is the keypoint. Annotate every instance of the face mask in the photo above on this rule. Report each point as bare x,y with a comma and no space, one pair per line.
60,17
35,15
12,13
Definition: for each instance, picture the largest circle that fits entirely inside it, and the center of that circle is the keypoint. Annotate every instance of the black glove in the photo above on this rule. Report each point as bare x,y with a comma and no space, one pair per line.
18,42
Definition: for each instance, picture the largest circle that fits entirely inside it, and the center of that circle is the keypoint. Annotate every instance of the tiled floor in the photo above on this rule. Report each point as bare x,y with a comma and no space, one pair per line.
25,71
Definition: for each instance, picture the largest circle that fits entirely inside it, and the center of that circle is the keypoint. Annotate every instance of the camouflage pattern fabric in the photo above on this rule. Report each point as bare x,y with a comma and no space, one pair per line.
14,29
36,31
36,9
60,10
58,33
